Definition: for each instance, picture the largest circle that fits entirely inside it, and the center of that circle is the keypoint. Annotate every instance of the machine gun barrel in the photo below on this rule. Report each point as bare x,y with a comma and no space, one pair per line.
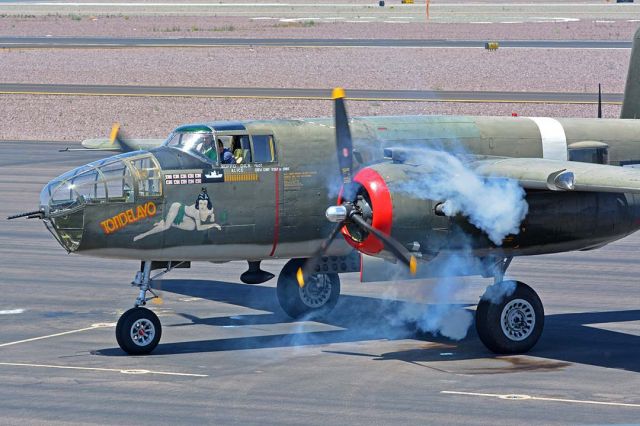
36,214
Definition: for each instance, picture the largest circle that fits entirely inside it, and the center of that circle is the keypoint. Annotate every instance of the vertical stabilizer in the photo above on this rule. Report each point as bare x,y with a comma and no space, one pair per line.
631,102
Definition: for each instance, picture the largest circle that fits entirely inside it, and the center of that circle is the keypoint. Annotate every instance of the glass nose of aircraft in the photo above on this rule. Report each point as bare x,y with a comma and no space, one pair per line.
116,179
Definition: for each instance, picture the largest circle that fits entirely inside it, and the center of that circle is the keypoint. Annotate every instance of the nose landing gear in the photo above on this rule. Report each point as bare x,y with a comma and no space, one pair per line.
138,330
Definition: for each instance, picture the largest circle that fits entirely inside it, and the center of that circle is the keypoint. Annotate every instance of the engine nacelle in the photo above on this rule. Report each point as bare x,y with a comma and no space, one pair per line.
385,200
408,218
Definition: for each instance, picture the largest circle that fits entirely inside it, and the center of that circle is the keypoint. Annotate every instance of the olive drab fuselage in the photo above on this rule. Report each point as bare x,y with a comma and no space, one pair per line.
175,206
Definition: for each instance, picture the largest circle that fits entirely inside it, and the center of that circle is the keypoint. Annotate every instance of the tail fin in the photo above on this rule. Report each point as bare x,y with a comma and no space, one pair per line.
631,102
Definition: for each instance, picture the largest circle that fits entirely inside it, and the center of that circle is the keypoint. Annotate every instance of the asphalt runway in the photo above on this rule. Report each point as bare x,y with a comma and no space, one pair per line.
228,355
114,42
292,93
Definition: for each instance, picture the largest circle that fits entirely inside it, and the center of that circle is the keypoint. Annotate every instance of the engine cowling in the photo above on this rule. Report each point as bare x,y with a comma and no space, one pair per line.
385,203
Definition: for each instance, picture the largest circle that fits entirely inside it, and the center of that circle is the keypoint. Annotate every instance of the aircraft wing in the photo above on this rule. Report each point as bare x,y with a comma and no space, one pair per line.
554,175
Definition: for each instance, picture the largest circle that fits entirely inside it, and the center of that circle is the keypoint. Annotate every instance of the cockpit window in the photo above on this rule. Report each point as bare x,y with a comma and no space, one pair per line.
200,144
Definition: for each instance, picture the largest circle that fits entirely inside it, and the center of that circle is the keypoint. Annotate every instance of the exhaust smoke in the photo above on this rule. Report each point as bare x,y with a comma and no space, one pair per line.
496,206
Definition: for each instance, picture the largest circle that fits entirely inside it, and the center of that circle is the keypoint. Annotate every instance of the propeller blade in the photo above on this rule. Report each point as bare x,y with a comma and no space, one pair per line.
116,137
311,263
344,144
391,244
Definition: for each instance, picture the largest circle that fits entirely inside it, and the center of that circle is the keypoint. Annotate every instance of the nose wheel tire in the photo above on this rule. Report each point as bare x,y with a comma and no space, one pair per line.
513,324
315,300
138,331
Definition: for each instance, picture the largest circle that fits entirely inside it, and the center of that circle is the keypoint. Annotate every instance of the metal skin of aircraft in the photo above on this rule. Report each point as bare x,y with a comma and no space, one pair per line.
269,192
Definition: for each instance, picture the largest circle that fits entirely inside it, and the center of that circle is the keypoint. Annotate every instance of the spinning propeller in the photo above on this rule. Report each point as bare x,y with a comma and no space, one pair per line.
349,212
116,136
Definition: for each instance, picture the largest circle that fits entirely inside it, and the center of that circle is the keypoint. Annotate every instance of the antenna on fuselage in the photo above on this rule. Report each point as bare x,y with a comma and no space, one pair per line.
599,101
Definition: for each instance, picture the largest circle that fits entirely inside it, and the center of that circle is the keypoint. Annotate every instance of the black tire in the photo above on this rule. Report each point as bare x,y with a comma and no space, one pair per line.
523,319
143,320
315,300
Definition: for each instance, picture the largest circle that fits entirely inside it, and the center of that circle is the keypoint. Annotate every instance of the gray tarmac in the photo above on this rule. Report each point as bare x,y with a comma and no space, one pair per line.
297,93
176,42
229,355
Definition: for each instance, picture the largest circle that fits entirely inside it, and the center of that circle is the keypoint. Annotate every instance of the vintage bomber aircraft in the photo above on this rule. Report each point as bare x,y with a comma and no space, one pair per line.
177,203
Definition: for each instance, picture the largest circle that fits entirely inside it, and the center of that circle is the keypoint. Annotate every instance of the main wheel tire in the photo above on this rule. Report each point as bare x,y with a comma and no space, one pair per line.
138,331
315,300
512,325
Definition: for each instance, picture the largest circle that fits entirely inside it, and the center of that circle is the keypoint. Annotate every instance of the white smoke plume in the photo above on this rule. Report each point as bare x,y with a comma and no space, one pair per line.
498,291
440,317
496,205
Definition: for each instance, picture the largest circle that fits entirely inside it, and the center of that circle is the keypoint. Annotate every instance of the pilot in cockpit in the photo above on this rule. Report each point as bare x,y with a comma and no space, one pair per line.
208,149
226,157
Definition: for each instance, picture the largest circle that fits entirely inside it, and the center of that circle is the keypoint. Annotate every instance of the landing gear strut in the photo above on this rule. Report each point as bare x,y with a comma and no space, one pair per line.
510,316
316,299
138,330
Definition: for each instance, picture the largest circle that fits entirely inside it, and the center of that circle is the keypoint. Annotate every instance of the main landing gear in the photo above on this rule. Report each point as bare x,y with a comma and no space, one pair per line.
510,316
315,299
138,330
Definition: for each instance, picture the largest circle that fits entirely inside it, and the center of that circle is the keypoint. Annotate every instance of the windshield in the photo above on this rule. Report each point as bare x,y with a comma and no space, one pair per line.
200,144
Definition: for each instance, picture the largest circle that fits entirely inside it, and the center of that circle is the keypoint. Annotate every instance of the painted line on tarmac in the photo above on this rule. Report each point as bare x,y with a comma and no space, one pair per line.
311,98
64,333
516,397
109,370
296,46
12,311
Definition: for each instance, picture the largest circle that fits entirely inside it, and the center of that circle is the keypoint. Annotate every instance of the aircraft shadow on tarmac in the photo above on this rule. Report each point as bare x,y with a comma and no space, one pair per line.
566,337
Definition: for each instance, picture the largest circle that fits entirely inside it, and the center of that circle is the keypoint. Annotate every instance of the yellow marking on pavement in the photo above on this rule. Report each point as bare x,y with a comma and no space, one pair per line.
110,370
312,46
314,98
514,397
33,339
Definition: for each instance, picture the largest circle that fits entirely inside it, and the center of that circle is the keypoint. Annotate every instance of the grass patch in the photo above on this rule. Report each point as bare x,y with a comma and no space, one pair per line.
225,28
296,24
173,29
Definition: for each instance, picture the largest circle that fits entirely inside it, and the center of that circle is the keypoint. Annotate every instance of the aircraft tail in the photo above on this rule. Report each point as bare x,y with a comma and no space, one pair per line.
631,102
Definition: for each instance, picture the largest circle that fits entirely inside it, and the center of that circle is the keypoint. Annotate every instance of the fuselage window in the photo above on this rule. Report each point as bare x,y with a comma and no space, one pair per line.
264,149
241,149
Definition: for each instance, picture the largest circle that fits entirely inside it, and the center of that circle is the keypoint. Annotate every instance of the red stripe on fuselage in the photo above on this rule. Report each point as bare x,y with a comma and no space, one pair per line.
276,226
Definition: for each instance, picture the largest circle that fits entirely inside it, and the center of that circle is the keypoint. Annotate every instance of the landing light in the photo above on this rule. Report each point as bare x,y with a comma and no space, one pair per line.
566,181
